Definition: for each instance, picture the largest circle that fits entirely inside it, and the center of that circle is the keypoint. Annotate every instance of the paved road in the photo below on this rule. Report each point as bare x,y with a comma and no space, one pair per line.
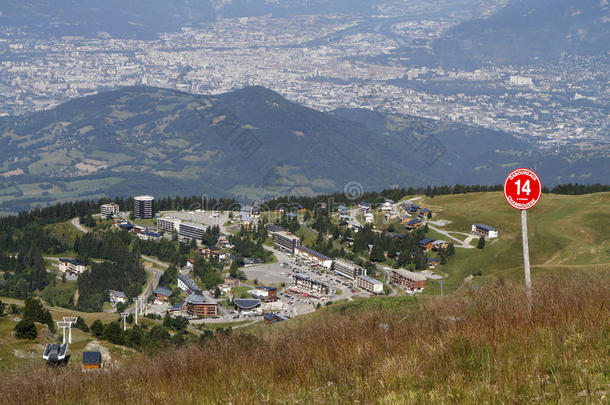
154,282
155,261
460,244
77,225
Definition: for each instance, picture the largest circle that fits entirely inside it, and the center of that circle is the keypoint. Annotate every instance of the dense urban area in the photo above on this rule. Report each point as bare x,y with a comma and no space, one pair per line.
324,62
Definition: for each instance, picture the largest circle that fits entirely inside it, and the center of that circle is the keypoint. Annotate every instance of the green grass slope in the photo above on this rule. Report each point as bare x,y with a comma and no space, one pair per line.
568,232
480,348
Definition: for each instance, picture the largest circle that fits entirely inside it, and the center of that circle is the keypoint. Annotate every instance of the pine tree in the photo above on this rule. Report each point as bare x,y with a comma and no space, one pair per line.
481,243
26,329
97,328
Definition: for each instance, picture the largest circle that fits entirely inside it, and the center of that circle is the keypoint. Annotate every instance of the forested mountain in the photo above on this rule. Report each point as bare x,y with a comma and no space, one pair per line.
251,143
527,31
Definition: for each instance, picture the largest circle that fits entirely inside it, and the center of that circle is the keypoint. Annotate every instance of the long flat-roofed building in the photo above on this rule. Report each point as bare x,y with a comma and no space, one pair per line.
303,280
369,284
191,231
286,241
168,224
187,230
144,207
408,279
348,269
312,256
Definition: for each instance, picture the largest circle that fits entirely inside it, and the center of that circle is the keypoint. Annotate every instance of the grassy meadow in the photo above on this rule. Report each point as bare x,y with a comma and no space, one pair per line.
482,347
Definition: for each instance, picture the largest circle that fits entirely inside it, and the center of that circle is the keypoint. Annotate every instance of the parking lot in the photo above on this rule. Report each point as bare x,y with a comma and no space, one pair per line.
268,273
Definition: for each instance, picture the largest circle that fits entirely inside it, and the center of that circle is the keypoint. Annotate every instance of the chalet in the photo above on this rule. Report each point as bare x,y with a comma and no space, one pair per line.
342,209
394,235
92,360
222,239
247,305
432,262
232,281
390,215
409,280
412,209
354,224
368,217
197,306
162,294
224,289
404,219
266,294
271,318
292,216
125,226
344,216
245,219
439,244
426,244
423,213
116,296
484,230
190,263
188,285
178,307
386,205
301,209
71,266
313,257
363,206
149,235
212,252
413,224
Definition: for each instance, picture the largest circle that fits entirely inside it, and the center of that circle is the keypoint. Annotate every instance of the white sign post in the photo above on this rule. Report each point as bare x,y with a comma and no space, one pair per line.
522,189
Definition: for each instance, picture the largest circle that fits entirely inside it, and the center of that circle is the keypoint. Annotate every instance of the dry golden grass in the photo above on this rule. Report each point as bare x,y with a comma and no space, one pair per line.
483,347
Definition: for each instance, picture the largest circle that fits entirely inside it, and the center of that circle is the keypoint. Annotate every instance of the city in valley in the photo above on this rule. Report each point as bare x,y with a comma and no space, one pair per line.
324,62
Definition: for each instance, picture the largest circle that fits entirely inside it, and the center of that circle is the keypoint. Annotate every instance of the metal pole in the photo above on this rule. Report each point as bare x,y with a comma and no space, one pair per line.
441,282
136,309
526,260
70,333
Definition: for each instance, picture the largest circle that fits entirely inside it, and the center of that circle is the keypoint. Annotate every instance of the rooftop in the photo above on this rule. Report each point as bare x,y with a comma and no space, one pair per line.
163,291
92,357
370,280
195,299
313,253
246,303
410,275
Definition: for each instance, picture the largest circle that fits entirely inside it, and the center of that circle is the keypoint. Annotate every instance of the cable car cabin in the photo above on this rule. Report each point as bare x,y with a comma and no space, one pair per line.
92,360
56,354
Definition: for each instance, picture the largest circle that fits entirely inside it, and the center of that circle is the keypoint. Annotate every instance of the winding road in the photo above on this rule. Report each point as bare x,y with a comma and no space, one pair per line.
154,282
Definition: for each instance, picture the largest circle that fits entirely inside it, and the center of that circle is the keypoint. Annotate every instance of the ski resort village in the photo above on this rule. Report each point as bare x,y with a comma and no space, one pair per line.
143,260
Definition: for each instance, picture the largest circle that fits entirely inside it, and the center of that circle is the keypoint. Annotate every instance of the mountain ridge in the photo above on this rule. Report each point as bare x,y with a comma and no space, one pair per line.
250,143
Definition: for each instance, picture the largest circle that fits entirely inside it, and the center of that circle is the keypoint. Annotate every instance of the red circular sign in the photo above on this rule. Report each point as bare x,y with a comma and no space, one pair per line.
522,189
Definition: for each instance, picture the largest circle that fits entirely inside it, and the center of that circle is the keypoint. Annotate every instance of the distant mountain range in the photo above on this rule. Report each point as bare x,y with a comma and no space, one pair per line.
251,143
527,31
144,19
